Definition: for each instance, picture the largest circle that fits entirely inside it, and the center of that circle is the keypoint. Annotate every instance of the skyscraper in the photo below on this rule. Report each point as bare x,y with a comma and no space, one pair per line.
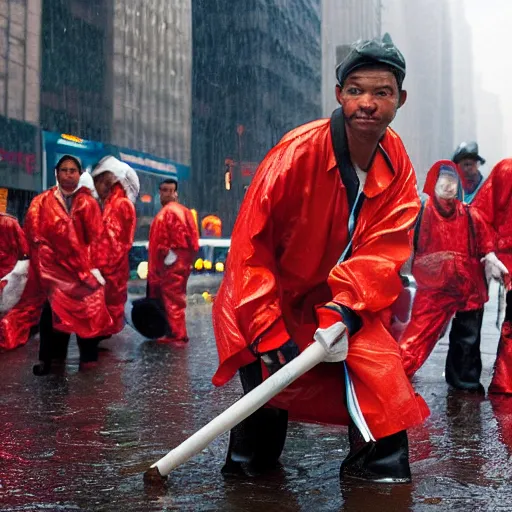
256,75
422,31
465,121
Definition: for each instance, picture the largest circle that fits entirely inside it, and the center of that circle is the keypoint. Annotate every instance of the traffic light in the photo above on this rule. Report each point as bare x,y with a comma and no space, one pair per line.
228,173
227,180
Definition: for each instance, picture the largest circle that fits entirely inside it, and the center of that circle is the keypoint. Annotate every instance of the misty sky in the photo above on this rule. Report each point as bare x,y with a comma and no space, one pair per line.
491,22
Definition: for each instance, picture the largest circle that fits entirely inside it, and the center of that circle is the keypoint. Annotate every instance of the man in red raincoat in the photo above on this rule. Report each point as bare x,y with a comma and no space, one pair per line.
173,243
494,202
450,240
316,249
117,185
20,294
61,225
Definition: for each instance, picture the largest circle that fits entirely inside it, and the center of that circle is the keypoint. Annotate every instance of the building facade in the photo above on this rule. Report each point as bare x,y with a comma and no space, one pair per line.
20,47
422,31
152,77
256,75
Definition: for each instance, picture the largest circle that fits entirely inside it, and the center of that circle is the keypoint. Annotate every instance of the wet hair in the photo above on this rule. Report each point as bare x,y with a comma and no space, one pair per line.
169,181
69,157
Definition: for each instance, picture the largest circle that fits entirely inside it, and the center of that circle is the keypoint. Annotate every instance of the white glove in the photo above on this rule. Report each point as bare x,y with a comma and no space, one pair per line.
494,268
16,281
97,274
334,339
170,258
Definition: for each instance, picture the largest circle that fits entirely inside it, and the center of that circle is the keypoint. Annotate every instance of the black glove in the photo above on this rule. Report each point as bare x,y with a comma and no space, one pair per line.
276,359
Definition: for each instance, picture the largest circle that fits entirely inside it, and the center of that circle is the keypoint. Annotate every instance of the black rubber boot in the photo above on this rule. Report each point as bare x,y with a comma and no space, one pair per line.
256,443
42,368
385,461
463,361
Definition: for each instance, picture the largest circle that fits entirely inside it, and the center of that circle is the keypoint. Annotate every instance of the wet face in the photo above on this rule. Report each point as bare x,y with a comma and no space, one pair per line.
103,183
370,99
168,193
446,187
470,167
68,175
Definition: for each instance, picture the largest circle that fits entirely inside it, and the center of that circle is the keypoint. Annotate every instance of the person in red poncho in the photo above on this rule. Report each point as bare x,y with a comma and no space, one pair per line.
316,251
61,225
494,202
450,240
117,185
463,361
20,295
173,243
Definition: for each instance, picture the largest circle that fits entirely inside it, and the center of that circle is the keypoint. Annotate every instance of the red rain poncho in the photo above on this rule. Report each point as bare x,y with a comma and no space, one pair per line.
291,230
111,253
447,271
494,202
60,243
15,323
173,228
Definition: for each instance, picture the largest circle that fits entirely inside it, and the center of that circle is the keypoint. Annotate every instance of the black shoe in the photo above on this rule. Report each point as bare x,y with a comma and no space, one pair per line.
385,461
41,369
477,390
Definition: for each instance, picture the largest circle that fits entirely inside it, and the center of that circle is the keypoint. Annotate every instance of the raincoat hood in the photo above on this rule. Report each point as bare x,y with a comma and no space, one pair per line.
433,176
123,173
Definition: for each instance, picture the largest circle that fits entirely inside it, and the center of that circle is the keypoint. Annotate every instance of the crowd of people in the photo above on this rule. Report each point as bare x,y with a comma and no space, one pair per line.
331,217
67,270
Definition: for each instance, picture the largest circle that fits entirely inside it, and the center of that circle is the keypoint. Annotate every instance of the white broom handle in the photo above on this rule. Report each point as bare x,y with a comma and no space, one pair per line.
243,408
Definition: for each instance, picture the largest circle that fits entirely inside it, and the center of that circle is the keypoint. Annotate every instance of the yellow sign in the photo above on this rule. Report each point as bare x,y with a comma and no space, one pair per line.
3,199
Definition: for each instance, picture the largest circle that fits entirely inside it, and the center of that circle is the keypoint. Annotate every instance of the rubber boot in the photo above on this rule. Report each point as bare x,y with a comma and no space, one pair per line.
256,443
384,461
463,361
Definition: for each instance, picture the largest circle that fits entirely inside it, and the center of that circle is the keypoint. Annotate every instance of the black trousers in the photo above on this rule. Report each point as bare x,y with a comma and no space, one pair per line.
463,361
53,344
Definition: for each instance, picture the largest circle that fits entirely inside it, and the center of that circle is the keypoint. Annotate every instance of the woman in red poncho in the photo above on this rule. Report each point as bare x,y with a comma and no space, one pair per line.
20,294
61,225
450,240
173,243
117,185
315,254
494,202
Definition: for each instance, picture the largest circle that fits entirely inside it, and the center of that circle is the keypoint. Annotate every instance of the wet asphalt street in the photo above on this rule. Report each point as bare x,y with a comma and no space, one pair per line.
81,441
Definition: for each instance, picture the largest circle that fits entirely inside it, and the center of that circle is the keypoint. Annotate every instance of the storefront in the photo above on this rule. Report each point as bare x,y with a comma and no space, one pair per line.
20,175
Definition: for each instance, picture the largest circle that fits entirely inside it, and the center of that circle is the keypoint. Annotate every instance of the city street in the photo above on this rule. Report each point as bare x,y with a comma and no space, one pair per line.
82,441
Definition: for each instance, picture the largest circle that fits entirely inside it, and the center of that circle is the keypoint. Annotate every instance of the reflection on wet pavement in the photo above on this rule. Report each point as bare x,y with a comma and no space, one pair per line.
81,441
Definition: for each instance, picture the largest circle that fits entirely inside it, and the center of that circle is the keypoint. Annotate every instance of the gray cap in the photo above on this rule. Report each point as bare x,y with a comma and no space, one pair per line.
467,150
373,52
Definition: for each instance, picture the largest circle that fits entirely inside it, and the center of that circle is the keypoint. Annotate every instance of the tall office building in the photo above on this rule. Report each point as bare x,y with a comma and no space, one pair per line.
256,75
422,31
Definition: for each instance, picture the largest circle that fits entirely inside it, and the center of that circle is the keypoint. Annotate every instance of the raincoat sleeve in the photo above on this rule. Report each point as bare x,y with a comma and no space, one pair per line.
119,232
253,257
369,279
494,195
159,240
87,219
484,234
193,233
